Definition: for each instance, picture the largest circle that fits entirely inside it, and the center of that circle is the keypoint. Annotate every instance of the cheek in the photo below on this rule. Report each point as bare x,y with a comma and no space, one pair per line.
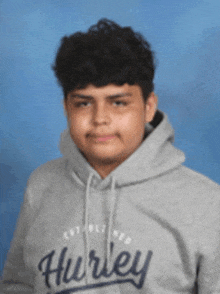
77,121
78,126
132,123
131,131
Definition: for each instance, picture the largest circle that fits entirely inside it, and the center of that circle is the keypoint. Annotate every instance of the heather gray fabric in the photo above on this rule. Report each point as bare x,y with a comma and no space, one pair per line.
150,227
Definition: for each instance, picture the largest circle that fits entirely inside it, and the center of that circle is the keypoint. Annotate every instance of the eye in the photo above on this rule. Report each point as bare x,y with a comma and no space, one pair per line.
82,104
120,103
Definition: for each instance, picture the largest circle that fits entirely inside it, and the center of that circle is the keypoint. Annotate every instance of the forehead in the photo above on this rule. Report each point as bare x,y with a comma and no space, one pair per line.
109,90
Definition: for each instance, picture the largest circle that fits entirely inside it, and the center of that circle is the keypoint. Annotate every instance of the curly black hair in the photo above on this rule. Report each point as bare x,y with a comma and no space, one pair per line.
106,54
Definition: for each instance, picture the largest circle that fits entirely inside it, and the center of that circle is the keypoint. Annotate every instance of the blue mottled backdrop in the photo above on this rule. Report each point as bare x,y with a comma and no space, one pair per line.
186,38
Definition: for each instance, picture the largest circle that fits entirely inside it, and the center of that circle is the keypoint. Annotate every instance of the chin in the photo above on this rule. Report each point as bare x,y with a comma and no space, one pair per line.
115,159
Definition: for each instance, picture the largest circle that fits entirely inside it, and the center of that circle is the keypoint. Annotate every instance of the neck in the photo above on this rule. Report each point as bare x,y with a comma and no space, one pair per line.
104,169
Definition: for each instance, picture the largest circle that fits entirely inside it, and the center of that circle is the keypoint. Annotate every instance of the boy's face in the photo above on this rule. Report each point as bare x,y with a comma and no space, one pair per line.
107,123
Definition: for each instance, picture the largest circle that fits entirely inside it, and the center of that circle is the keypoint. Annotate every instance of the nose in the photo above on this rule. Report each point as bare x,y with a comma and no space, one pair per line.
101,114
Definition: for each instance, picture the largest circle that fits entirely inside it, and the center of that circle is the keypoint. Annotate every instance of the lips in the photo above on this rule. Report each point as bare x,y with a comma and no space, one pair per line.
105,138
102,137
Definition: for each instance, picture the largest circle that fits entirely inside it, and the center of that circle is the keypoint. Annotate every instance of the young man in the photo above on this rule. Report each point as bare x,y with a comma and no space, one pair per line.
118,213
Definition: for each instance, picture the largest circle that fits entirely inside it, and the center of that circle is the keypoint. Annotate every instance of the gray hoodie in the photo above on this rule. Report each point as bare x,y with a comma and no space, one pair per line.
152,226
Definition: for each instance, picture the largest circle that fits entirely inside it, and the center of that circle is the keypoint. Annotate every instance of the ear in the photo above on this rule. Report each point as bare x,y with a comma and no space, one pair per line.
65,107
150,107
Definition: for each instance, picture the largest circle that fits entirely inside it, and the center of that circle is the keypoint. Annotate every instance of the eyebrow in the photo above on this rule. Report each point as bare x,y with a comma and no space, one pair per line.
114,96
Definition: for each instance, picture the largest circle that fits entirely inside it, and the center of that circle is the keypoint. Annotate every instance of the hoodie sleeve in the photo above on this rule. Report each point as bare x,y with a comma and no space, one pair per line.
17,278
209,261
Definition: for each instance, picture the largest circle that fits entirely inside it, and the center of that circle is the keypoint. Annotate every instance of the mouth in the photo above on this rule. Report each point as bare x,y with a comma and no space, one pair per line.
102,138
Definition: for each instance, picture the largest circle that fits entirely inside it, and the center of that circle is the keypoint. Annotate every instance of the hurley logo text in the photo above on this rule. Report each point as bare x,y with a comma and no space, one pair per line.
125,268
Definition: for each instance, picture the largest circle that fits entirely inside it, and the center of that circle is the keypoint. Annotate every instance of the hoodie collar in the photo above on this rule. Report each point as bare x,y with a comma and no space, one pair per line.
155,156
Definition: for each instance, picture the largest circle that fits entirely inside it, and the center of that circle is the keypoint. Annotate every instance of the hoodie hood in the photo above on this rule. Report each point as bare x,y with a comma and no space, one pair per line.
155,156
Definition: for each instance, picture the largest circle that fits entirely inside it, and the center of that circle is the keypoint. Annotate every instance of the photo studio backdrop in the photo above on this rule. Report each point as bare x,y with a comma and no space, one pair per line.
185,36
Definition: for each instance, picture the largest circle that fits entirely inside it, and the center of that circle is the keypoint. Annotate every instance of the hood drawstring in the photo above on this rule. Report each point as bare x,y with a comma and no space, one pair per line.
86,265
110,224
77,179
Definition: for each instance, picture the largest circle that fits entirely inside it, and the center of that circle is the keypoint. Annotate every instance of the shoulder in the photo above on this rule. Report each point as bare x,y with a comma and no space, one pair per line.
193,191
189,182
48,171
198,193
45,177
198,181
